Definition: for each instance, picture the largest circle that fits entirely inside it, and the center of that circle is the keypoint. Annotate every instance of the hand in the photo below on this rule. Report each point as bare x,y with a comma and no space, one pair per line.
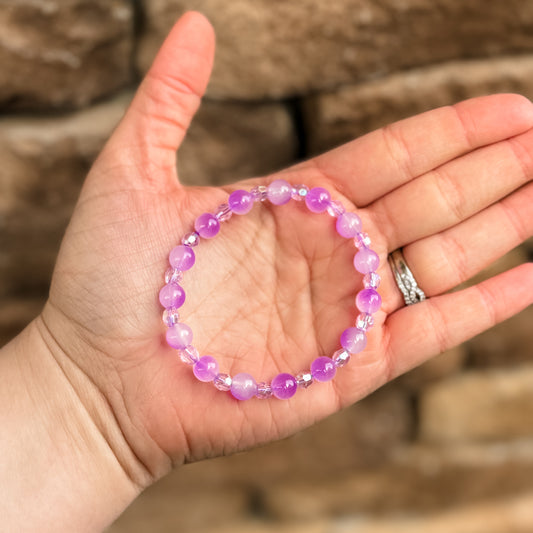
276,288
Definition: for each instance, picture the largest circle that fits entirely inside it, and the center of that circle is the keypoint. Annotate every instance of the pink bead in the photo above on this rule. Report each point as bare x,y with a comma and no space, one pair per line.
243,386
348,225
179,336
241,202
279,192
207,225
317,199
182,257
206,368
366,261
171,295
264,390
353,340
323,369
368,301
284,386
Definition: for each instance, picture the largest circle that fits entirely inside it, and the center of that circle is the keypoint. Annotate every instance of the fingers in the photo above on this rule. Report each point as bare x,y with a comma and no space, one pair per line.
377,163
419,331
455,191
444,260
168,97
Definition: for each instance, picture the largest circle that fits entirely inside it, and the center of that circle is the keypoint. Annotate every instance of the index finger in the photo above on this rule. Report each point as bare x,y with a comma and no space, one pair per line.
373,165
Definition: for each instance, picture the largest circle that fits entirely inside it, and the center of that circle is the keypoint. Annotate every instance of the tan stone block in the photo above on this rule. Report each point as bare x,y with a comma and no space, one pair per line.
59,53
336,117
44,163
486,405
229,141
276,49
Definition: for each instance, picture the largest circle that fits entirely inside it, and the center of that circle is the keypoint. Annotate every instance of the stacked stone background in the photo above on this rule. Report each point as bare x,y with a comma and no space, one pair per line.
446,448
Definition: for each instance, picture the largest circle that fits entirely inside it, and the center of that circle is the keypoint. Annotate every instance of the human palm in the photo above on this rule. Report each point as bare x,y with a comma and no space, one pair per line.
276,288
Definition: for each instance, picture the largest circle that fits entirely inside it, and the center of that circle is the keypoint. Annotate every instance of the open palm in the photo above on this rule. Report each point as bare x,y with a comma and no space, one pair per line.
276,288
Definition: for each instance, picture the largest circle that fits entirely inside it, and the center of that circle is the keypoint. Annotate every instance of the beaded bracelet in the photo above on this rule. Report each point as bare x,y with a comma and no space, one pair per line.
353,340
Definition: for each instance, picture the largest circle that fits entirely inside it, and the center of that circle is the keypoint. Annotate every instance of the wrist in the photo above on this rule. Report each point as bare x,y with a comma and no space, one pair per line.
61,445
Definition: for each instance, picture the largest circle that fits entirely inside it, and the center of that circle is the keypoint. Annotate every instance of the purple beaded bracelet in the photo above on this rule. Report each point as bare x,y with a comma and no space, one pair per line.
353,340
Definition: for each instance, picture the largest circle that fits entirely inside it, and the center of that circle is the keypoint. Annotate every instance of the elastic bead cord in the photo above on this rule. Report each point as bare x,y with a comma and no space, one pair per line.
353,340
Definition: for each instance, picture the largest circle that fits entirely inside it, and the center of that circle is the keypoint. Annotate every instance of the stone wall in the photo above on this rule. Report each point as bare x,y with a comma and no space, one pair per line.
448,447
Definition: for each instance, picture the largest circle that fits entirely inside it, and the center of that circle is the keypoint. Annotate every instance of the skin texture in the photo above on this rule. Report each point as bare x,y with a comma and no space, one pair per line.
275,288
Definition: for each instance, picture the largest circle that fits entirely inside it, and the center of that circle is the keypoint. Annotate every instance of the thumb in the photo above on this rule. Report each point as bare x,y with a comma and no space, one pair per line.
167,99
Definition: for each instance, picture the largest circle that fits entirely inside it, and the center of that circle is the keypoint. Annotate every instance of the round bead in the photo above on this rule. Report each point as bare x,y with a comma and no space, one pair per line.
264,390
371,280
189,355
206,368
170,317
171,295
241,202
368,301
323,369
279,192
179,336
304,379
182,257
284,386
222,382
317,199
366,261
191,239
353,340
348,225
243,386
207,225
223,213
341,358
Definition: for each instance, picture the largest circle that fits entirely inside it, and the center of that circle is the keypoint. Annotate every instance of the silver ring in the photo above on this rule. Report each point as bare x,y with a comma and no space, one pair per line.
405,280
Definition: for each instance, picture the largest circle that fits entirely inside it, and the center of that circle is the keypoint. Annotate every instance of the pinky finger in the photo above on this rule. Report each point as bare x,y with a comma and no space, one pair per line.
420,331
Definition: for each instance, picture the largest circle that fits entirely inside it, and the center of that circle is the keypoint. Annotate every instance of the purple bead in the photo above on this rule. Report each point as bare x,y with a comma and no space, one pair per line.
182,257
348,225
353,340
171,295
368,301
366,261
179,336
241,202
284,386
317,199
207,225
206,368
243,386
323,369
279,192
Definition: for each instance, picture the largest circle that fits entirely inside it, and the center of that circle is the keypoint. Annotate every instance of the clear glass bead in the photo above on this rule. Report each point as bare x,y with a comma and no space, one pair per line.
222,382
173,275
335,209
171,317
223,212
362,240
364,321
259,193
189,355
299,192
304,379
371,280
191,239
264,390
341,357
